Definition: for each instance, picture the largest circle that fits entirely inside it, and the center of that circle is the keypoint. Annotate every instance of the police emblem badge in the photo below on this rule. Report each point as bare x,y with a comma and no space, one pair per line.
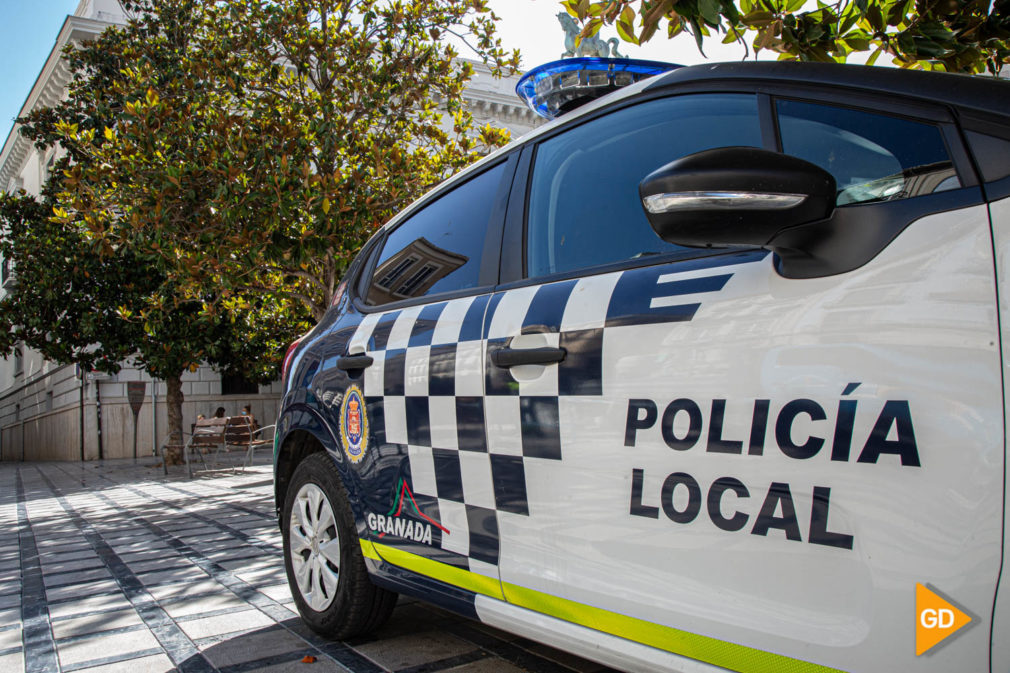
353,424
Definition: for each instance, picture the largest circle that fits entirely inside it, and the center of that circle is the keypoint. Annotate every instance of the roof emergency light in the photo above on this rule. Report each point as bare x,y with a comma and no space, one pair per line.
555,88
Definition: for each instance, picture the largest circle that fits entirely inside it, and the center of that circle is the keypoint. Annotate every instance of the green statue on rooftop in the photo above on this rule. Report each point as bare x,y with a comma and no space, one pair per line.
589,46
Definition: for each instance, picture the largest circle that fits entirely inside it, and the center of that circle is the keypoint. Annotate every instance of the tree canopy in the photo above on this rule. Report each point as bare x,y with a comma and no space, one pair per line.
73,316
76,304
970,36
262,142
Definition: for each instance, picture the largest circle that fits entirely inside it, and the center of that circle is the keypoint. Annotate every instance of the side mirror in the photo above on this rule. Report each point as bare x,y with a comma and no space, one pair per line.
734,196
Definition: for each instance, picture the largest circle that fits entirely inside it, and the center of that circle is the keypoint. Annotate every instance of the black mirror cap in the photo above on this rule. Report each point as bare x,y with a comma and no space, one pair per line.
743,170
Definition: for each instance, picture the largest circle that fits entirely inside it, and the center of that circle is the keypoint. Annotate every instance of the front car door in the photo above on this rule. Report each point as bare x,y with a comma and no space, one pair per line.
733,466
989,138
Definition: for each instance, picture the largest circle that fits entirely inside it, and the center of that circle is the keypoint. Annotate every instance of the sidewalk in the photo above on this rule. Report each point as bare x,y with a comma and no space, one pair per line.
112,567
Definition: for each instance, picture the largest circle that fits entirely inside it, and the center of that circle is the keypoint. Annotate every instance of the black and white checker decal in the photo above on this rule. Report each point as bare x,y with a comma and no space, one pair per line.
472,430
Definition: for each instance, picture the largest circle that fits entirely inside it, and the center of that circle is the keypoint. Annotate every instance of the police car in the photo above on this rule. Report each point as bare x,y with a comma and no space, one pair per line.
706,374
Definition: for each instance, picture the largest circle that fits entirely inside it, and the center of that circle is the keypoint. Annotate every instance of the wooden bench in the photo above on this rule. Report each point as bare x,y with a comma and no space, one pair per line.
207,433
240,432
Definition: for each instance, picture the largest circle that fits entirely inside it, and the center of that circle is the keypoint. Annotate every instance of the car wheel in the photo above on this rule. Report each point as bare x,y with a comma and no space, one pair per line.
322,556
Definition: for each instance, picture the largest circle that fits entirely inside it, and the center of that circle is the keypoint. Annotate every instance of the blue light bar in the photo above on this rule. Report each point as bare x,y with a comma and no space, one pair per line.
555,88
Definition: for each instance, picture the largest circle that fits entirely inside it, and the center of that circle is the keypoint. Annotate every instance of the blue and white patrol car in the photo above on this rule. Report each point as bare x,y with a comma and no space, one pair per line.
707,374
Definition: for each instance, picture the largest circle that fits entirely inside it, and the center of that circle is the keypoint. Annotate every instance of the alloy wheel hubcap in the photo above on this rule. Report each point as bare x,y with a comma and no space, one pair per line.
315,547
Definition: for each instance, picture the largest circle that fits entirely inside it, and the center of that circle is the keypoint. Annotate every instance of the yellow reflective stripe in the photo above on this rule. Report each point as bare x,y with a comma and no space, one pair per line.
702,648
464,579
709,650
368,550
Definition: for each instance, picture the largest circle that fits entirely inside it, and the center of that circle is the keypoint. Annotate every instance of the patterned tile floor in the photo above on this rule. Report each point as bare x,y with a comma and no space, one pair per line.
113,567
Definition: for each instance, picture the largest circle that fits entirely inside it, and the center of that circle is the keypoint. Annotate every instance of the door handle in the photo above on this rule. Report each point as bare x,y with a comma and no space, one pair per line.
349,362
514,357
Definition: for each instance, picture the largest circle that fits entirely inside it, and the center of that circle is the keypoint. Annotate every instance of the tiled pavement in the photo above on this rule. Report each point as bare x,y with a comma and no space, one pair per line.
114,568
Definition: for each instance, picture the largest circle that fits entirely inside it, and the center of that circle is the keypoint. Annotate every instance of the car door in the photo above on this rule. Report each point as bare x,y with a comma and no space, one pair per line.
401,378
692,451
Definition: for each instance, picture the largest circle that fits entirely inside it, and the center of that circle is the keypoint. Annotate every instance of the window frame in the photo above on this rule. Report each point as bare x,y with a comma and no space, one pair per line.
19,359
940,115
488,267
238,385
974,121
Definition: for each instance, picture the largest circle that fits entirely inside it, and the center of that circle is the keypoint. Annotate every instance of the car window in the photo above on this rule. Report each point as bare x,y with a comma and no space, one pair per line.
584,207
438,249
873,157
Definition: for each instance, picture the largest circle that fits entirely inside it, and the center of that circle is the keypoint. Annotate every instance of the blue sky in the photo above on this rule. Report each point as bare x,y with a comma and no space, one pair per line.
27,34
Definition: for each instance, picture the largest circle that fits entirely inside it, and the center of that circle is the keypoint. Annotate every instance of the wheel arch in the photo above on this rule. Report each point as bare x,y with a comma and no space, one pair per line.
301,433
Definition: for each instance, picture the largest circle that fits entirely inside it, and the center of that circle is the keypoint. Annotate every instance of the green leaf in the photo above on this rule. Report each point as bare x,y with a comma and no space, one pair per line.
928,49
874,17
698,36
626,32
849,19
757,18
591,28
710,11
936,31
628,15
858,44
896,11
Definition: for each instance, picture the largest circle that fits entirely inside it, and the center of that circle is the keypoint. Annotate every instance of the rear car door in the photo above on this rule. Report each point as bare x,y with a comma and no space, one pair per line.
692,451
401,380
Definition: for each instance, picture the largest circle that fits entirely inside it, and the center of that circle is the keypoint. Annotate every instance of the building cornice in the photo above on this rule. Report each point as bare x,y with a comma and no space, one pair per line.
495,101
47,90
498,105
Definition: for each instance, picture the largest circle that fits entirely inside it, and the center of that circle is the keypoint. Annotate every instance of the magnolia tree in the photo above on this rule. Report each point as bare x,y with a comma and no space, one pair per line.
261,142
78,304
971,36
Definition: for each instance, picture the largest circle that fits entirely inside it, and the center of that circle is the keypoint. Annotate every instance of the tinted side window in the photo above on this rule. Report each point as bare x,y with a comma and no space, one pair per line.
437,249
873,157
584,208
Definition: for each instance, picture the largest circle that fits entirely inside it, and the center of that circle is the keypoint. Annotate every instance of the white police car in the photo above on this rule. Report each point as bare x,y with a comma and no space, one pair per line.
706,374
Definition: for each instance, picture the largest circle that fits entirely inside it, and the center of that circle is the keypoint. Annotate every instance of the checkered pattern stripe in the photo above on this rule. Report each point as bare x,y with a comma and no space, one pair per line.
424,390
430,381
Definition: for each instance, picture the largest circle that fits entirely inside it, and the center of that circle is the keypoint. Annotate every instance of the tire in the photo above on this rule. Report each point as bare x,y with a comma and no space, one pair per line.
325,568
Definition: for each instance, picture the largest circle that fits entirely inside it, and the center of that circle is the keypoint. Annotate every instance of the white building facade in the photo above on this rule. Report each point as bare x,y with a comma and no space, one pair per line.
50,411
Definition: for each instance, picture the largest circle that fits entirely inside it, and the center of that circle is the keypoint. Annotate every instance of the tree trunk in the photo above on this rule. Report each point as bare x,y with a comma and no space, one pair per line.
173,402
